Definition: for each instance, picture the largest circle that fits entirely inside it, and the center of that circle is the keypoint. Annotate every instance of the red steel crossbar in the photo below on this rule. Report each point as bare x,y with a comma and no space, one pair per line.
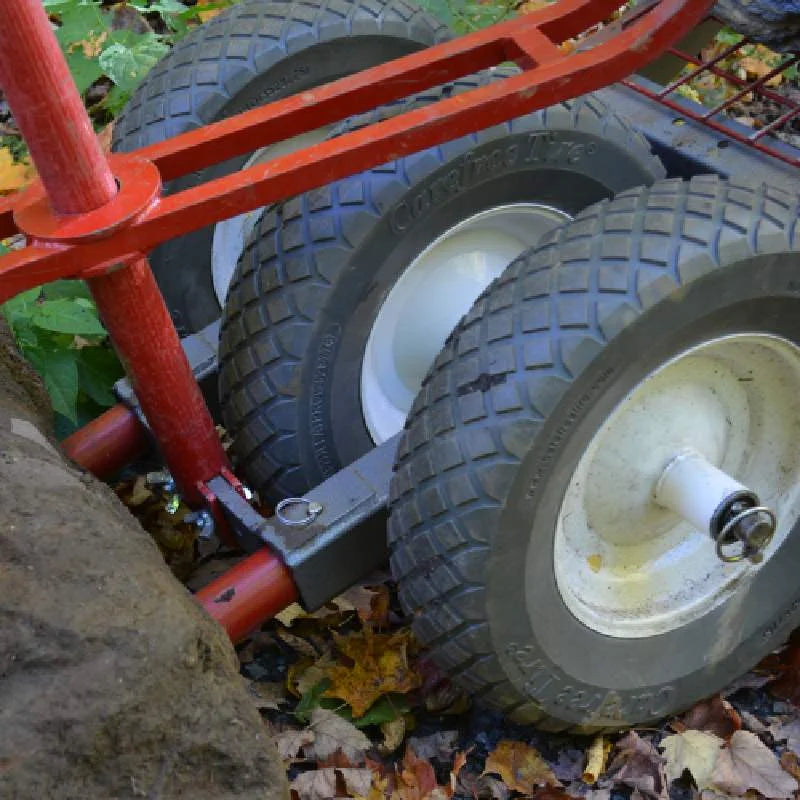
138,219
97,220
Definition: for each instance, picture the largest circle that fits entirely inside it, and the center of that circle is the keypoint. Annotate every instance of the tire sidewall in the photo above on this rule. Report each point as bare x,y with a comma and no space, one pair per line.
427,194
624,681
183,266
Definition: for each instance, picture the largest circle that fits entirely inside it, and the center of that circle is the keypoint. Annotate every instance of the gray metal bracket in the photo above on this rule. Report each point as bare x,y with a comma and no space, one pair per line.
341,543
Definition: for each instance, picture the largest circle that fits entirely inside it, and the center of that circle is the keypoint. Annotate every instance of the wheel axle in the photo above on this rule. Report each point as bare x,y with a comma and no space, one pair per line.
711,500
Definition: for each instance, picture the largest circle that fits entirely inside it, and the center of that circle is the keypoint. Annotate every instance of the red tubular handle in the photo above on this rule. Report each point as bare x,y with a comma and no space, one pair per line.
248,594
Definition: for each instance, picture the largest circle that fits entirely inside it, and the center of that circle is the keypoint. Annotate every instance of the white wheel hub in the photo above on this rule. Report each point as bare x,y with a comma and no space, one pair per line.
430,297
625,565
230,235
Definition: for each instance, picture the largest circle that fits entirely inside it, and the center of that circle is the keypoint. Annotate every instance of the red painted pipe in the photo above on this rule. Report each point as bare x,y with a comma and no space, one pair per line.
77,177
248,594
49,112
107,443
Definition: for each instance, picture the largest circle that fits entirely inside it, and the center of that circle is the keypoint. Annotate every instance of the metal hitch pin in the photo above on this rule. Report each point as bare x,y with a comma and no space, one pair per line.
711,500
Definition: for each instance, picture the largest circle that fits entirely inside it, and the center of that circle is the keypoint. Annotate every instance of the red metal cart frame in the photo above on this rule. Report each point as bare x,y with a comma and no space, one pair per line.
96,218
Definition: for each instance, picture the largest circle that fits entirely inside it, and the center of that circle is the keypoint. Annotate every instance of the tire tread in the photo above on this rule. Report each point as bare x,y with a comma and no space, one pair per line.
577,290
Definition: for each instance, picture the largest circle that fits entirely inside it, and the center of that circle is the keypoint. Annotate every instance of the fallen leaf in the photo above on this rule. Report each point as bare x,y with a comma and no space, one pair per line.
756,69
790,764
379,665
459,762
416,778
482,786
598,794
302,646
550,793
787,664
289,614
788,732
747,763
291,742
393,733
267,695
332,733
715,716
569,766
371,603
694,750
321,784
13,175
596,757
438,745
639,765
520,766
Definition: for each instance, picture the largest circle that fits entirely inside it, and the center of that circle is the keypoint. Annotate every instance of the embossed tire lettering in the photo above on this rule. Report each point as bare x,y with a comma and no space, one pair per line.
326,280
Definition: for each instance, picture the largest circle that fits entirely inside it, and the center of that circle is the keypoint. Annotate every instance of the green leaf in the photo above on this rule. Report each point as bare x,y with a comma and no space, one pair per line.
60,372
439,9
98,370
311,699
159,7
67,316
21,305
81,22
126,66
386,709
67,289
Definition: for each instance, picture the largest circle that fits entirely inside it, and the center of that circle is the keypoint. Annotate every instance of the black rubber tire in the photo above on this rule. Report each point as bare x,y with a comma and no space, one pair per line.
775,23
521,386
313,277
252,53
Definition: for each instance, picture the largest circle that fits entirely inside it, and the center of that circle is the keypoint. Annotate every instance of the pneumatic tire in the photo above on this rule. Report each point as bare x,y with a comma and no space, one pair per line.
253,53
775,23
320,269
547,358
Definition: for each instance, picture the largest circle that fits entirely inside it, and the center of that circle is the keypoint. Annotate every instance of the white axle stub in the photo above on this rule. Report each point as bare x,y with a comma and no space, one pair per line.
633,553
711,500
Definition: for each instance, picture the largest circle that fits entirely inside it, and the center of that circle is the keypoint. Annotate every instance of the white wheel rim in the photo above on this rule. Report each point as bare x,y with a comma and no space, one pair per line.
430,297
230,235
629,568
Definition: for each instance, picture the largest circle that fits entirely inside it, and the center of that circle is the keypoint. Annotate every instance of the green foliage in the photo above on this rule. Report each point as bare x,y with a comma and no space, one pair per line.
58,331
120,43
464,16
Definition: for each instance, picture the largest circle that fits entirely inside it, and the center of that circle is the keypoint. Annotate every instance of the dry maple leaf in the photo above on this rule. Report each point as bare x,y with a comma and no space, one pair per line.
715,716
332,733
694,750
325,784
520,766
379,666
13,175
747,763
639,765
416,779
